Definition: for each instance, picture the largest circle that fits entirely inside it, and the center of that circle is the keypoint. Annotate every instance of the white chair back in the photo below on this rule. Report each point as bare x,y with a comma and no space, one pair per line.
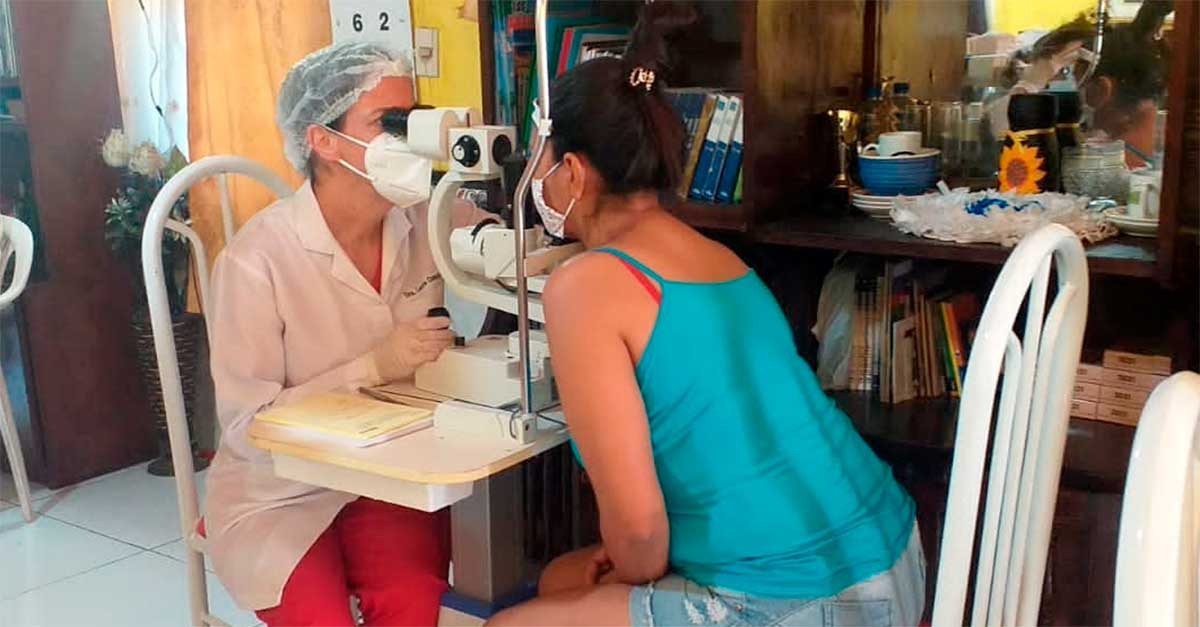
16,244
1030,434
1157,557
157,220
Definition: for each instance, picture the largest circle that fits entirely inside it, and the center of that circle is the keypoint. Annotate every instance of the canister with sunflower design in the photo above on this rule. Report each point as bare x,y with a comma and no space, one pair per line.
1029,155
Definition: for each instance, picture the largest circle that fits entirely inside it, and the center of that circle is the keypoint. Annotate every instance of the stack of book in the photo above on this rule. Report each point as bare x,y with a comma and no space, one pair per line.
713,150
513,48
1117,391
911,334
574,34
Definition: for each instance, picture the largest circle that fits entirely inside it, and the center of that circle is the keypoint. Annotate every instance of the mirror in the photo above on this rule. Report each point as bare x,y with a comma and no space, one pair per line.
954,66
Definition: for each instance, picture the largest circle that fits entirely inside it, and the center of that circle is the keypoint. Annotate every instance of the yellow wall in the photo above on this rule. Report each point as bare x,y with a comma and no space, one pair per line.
460,80
1014,16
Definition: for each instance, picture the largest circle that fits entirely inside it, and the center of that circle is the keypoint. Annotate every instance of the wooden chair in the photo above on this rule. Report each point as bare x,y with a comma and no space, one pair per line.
157,221
1030,430
1157,557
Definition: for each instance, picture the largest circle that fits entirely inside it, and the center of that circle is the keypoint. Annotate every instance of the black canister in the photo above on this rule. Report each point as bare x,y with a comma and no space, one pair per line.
1029,157
1068,122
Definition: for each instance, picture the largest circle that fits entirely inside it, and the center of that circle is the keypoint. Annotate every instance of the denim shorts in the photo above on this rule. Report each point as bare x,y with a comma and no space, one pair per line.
894,597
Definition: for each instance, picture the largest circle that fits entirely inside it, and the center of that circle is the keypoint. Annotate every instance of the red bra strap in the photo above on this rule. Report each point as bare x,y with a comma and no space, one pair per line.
652,289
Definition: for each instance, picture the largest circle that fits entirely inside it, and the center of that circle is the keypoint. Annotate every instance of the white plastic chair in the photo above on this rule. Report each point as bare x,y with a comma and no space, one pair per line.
157,220
16,244
1030,434
1157,557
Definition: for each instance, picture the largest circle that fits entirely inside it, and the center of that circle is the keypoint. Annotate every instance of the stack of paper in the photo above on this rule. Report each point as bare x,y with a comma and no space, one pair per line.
405,393
350,419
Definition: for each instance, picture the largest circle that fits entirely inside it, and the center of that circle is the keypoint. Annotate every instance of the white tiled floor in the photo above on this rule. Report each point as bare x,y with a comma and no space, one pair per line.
104,553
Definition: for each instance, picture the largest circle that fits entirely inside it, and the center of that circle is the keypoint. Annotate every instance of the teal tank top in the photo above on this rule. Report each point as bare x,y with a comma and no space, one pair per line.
769,490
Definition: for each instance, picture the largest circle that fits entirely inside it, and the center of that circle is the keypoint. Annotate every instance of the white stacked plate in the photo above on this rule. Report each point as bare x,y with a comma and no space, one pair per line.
878,207
1137,227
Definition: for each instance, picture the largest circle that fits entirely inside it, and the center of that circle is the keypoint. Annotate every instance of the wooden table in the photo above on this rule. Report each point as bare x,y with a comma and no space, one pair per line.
476,476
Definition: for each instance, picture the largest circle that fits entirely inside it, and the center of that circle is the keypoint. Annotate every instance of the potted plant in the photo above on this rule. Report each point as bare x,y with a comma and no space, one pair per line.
144,170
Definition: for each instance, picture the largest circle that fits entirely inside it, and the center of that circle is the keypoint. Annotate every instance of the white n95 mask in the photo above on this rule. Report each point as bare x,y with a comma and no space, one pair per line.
396,172
555,222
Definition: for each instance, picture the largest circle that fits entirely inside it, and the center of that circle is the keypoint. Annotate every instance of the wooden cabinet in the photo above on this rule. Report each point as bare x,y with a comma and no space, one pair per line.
90,412
799,58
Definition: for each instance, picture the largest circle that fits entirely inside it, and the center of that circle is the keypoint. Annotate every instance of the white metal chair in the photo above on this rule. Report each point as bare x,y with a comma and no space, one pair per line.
1030,434
1157,553
157,220
16,244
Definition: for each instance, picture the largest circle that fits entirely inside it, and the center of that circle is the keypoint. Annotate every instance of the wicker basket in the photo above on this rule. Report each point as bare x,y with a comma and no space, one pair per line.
188,329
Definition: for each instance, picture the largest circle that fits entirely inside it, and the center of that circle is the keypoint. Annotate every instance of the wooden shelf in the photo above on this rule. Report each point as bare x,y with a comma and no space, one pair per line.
712,216
1123,255
1096,458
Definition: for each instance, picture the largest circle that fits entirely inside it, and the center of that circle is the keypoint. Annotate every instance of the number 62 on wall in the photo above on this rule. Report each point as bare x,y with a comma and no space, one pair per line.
385,21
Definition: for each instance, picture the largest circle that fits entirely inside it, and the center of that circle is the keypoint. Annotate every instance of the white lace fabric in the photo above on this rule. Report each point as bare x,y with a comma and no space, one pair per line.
1000,218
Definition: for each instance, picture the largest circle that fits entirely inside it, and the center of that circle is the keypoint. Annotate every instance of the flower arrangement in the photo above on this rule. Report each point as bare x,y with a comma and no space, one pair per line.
144,170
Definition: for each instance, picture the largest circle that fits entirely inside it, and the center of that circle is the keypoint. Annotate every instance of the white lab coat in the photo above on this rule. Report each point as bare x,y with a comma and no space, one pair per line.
291,316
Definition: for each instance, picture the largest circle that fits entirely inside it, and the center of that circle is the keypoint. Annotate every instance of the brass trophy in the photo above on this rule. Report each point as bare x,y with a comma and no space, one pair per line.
847,139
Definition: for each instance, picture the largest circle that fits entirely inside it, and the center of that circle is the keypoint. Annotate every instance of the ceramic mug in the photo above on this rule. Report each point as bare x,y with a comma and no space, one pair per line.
1145,189
897,143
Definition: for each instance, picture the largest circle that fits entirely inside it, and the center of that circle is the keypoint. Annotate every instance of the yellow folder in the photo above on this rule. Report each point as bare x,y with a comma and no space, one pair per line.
353,419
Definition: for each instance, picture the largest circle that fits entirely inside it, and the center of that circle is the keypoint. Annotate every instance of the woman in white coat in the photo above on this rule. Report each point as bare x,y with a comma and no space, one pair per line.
327,289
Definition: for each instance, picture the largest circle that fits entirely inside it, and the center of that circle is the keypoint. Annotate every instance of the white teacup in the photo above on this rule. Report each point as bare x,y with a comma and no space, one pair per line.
897,143
1145,189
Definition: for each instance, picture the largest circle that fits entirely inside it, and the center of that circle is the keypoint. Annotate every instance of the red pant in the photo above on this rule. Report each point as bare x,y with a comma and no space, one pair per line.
393,559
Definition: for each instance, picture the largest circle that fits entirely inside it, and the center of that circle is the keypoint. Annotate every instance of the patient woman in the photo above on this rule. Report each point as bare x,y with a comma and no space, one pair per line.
327,289
731,490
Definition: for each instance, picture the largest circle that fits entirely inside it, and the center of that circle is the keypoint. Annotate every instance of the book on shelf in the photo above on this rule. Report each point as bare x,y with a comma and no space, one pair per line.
910,332
702,124
582,43
714,143
712,179
558,22
513,47
949,372
690,102
904,376
732,169
708,148
858,343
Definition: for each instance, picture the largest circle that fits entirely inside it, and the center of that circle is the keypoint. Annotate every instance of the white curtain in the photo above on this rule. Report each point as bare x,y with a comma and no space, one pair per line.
150,46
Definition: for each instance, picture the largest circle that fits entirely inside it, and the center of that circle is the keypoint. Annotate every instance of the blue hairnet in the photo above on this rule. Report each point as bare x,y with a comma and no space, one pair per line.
324,84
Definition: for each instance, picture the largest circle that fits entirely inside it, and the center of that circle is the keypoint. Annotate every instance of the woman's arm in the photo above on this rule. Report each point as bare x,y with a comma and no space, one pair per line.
247,359
604,408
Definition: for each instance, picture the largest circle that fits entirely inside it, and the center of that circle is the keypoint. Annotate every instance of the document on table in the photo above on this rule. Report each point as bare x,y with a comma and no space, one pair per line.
405,393
350,419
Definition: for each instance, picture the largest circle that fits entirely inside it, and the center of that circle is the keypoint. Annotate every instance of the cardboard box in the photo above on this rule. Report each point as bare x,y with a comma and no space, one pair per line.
1084,409
1125,397
1133,380
1089,373
1086,391
1118,414
1153,364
